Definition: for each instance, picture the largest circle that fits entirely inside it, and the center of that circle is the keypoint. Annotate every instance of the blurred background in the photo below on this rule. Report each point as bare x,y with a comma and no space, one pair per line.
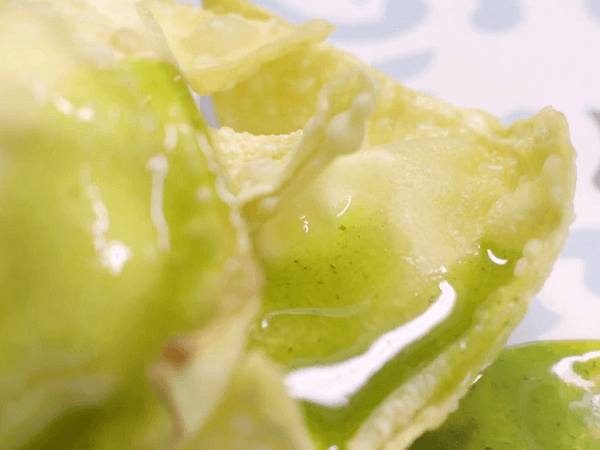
511,58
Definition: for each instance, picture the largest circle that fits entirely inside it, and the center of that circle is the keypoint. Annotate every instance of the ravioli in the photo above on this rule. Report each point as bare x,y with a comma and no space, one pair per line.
543,394
423,247
113,240
331,269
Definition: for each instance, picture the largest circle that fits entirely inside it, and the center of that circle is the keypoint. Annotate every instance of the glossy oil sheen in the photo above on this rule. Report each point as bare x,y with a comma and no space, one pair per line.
73,187
543,396
359,296
342,289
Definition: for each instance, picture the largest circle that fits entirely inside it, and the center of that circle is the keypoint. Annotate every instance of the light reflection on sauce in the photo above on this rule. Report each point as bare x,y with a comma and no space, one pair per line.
305,223
63,105
339,312
590,403
477,378
495,259
345,207
333,385
564,370
159,166
114,253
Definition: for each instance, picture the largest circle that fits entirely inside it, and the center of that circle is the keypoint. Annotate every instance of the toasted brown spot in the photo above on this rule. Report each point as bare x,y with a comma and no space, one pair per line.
178,351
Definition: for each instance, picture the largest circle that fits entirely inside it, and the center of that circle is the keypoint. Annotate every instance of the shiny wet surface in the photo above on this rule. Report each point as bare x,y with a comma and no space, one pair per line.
542,396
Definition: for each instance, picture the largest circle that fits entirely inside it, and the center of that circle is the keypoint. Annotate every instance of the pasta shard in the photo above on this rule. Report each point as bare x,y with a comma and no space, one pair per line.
216,51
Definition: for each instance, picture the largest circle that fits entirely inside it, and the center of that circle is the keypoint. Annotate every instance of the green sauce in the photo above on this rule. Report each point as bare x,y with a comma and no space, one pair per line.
479,277
331,301
361,292
524,400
